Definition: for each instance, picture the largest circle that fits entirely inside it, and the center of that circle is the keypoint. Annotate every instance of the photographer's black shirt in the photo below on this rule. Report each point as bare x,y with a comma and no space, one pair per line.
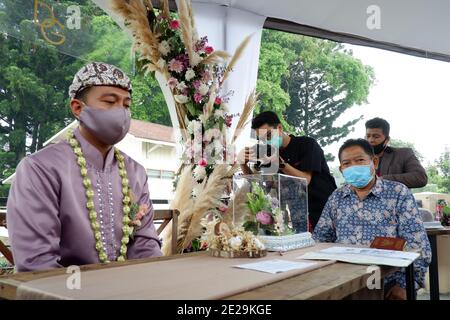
305,154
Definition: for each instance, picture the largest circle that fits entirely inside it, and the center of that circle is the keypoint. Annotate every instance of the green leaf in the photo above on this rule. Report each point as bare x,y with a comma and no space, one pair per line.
251,226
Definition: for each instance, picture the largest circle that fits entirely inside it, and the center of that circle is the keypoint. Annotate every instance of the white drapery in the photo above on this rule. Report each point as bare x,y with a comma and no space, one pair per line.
226,28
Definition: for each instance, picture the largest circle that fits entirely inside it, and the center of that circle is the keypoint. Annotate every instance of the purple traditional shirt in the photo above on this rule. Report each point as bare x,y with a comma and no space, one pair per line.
48,221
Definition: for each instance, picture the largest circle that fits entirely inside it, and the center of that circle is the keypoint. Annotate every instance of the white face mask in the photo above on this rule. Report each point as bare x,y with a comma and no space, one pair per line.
109,126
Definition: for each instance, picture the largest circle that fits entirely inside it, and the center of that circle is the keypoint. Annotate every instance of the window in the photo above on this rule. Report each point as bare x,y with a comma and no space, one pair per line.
160,174
154,173
167,175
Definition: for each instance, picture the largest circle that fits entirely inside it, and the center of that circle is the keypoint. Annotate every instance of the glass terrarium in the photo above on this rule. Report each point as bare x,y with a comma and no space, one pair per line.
274,207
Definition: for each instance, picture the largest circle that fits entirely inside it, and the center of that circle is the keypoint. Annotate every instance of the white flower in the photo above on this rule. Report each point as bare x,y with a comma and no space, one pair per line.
219,113
196,59
164,47
218,145
181,98
197,190
210,134
161,63
280,222
181,86
194,126
189,74
235,243
199,172
203,89
258,244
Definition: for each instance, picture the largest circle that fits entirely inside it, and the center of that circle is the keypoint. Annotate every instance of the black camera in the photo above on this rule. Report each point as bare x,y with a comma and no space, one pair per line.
264,155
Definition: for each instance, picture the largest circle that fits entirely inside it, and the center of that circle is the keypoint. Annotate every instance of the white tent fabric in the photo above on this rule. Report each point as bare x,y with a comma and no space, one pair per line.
421,25
226,28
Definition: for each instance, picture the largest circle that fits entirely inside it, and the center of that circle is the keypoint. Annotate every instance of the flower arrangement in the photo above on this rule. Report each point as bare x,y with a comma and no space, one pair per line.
195,73
137,212
266,214
232,243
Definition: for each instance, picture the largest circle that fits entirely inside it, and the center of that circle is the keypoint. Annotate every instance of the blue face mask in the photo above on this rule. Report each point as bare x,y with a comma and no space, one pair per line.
276,141
358,176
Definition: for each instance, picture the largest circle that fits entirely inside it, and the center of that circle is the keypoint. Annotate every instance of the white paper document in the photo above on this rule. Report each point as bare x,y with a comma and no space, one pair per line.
367,256
275,266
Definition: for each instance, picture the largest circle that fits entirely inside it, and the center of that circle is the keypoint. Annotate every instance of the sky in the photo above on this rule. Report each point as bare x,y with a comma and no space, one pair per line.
412,94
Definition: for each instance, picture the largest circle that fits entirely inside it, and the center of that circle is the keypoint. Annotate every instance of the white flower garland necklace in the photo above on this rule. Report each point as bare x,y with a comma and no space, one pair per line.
103,257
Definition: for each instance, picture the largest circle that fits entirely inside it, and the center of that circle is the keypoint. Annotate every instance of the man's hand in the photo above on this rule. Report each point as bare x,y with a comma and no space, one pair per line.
396,293
245,155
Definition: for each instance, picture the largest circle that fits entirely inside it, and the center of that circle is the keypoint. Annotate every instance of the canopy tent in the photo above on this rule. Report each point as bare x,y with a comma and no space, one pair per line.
417,27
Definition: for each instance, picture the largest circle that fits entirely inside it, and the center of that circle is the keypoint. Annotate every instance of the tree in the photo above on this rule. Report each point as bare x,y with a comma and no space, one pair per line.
397,143
310,82
113,46
443,166
443,163
323,82
439,174
33,83
35,75
273,66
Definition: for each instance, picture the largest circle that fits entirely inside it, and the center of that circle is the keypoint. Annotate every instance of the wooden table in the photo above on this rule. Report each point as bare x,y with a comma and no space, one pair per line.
434,269
336,281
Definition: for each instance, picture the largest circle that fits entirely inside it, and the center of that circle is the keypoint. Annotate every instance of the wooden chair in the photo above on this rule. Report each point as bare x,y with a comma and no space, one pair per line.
159,215
166,216
3,248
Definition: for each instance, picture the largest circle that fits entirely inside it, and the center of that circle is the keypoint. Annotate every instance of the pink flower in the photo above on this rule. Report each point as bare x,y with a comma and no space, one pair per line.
196,84
143,210
223,209
202,162
172,82
209,50
198,97
264,217
176,65
206,76
218,100
174,24
228,121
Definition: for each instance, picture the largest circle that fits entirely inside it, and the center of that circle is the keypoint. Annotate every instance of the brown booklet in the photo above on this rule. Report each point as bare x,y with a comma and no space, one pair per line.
388,243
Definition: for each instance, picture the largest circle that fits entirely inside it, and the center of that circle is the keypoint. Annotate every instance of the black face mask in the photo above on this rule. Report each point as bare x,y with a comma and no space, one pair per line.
379,148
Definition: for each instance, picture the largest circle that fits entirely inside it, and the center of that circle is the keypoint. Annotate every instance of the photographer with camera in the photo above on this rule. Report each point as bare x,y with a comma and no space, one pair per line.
298,156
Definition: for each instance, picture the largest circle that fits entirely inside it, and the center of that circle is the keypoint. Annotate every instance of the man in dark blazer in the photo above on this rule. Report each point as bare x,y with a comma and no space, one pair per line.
397,164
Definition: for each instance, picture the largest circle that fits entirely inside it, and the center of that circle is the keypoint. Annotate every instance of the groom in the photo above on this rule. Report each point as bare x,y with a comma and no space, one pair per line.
80,201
